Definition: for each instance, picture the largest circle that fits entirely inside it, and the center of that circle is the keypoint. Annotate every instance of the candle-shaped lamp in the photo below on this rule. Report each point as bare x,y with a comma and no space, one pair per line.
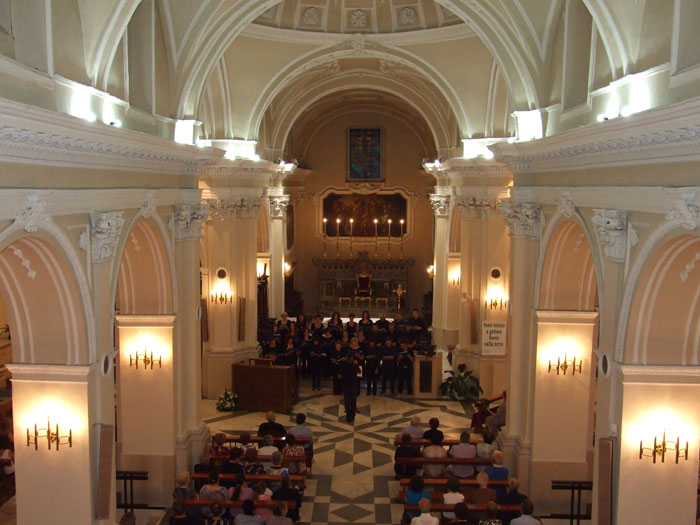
388,240
325,230
401,222
376,238
337,237
352,221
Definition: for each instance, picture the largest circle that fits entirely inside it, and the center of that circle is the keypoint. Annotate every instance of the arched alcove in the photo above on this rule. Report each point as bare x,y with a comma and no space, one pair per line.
41,297
664,318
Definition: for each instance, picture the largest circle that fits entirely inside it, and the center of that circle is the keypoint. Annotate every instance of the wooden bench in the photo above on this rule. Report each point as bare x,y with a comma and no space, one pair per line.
237,504
419,462
236,438
447,442
442,482
450,507
250,477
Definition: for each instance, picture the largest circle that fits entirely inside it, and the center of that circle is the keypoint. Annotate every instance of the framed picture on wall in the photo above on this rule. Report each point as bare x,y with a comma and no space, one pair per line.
365,154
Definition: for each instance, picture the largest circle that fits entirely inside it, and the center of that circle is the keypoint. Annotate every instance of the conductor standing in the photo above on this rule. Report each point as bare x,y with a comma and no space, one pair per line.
347,374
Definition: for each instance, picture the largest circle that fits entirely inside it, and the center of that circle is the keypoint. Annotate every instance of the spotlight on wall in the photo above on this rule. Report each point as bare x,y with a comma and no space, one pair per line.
431,271
146,358
562,365
51,434
661,447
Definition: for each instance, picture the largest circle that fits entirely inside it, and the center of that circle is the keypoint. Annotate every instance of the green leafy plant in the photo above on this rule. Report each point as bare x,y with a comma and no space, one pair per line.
5,330
227,402
462,386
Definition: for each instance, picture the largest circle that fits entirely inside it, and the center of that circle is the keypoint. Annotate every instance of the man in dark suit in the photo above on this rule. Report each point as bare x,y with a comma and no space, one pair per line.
271,427
347,374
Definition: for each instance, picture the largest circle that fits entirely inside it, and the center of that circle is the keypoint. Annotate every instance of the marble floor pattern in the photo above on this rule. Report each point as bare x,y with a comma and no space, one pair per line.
353,477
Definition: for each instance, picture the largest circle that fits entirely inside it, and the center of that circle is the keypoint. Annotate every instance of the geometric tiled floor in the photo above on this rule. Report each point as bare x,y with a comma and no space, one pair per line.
353,475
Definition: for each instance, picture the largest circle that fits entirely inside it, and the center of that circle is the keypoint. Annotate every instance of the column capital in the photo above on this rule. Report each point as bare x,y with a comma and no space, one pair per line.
187,220
475,208
440,204
278,206
611,227
229,209
105,228
523,218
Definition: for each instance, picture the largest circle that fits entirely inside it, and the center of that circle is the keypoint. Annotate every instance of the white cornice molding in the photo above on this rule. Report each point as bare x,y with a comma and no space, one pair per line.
51,373
661,135
32,135
565,317
672,374
145,320
69,202
403,38
648,199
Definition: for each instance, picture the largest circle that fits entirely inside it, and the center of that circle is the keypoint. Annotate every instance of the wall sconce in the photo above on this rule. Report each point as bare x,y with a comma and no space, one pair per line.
287,269
221,297
52,435
222,293
661,447
563,365
495,303
431,271
146,358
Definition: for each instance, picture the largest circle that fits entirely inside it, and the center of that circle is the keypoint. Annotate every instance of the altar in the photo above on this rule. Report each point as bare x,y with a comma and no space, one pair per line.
362,283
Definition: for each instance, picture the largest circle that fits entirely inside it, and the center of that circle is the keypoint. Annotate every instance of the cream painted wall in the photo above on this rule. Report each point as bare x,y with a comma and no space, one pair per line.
327,158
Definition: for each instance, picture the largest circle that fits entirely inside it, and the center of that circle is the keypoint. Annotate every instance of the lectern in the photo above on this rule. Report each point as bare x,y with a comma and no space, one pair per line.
260,388
427,375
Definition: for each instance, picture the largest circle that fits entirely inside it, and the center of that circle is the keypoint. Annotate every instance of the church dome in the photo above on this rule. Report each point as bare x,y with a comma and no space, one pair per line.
357,16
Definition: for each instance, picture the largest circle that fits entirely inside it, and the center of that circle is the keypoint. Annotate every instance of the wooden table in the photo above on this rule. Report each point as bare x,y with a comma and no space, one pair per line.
262,388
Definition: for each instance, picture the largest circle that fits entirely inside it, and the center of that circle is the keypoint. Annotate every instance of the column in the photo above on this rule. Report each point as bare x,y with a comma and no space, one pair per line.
561,422
147,419
441,208
278,243
191,432
524,222
231,291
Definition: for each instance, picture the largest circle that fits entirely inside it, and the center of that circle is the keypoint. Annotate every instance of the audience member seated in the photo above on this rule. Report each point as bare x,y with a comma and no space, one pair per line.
483,494
277,468
279,515
271,427
434,450
293,456
262,493
480,415
251,465
425,518
180,515
218,443
288,493
497,472
245,442
512,497
416,492
414,429
302,430
496,421
491,515
241,492
217,515
462,515
485,449
433,430
452,496
213,490
526,518
203,467
183,490
232,465
248,517
462,450
405,450
267,449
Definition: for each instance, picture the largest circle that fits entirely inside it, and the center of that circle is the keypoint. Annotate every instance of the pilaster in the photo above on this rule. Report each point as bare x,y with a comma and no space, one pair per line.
441,204
278,241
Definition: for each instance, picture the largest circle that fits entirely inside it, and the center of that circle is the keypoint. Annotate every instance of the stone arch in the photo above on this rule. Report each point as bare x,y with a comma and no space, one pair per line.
664,316
145,275
47,315
567,276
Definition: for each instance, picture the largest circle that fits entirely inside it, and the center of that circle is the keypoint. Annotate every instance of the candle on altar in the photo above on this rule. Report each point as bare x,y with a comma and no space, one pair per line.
376,238
325,223
351,223
401,239
388,240
337,237
325,230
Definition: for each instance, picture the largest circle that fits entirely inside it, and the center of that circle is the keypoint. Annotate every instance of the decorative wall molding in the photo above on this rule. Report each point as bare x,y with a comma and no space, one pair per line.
667,134
278,206
474,207
104,235
684,209
611,227
34,216
440,204
148,208
187,220
566,205
24,261
237,208
523,218
33,135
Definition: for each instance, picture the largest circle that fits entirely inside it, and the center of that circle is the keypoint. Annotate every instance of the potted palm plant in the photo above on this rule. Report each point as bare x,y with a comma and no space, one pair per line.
462,386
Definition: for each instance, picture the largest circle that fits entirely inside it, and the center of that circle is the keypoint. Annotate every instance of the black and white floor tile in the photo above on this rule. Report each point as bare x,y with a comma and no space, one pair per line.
353,477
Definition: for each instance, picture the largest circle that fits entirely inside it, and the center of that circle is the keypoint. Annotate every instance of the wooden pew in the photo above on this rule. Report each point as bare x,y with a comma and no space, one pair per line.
220,458
250,477
450,507
236,438
236,504
419,462
442,482
447,442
